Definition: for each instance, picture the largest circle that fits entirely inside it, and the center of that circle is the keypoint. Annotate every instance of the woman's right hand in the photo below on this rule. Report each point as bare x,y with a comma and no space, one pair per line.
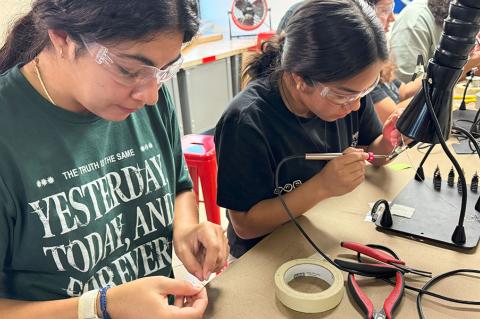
147,298
343,174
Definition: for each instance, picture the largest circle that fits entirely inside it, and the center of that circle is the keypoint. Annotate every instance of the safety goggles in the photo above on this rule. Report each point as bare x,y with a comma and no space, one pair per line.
341,98
129,73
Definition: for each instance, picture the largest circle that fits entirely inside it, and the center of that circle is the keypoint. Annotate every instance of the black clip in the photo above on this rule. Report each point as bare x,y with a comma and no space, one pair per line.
386,220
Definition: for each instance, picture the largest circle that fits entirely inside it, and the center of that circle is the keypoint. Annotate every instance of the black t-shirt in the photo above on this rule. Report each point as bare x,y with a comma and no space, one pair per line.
257,131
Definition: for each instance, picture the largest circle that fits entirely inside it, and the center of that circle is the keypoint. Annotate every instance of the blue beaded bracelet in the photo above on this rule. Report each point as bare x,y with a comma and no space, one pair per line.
103,302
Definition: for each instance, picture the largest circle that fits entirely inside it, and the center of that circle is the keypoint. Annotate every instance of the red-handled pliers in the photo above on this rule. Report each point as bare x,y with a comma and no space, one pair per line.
366,304
384,258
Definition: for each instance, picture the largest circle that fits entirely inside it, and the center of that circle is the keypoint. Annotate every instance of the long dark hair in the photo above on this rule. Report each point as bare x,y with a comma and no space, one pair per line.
324,41
439,9
105,21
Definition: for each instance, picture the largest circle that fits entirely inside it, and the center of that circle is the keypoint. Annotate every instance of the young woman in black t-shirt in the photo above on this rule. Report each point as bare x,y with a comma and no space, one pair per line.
307,94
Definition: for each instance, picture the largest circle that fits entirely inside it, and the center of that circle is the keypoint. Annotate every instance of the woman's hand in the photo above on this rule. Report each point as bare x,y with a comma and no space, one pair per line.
147,298
203,248
343,174
390,132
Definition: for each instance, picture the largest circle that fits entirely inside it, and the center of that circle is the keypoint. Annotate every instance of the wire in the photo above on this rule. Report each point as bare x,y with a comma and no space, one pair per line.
464,120
422,146
328,259
430,148
441,139
470,137
475,128
419,290
300,228
436,279
462,106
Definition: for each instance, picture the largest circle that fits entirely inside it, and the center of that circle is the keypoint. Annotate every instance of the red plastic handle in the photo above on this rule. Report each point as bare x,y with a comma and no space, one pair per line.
371,157
371,252
395,296
360,297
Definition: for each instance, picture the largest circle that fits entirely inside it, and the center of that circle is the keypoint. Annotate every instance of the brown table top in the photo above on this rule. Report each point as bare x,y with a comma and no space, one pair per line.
217,50
246,289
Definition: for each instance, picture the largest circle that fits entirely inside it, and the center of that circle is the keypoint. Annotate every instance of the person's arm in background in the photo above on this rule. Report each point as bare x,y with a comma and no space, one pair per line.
387,106
409,89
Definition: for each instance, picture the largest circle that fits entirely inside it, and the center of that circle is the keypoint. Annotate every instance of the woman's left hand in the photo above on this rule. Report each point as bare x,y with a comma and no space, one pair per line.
203,248
390,132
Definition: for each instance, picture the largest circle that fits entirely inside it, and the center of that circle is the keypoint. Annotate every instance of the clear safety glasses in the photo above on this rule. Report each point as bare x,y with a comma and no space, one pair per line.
341,98
128,72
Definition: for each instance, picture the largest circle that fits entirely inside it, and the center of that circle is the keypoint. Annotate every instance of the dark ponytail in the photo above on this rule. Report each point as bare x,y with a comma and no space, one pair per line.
325,41
23,43
267,61
105,21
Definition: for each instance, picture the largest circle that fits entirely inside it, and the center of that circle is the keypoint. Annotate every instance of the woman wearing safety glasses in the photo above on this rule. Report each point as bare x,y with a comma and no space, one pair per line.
94,190
308,95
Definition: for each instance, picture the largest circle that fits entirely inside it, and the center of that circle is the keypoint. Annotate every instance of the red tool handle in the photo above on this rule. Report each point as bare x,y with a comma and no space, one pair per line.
395,296
371,252
371,157
360,297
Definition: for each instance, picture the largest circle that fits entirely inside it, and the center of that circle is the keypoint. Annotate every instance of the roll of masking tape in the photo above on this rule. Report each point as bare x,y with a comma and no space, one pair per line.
309,302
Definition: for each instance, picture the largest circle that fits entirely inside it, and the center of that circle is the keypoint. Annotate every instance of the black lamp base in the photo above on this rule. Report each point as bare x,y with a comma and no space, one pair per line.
463,118
436,215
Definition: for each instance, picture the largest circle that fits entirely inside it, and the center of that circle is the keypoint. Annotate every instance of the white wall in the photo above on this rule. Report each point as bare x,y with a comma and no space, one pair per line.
9,11
279,7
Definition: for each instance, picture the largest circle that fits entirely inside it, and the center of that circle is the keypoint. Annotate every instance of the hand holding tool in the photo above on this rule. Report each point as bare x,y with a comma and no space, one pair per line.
330,156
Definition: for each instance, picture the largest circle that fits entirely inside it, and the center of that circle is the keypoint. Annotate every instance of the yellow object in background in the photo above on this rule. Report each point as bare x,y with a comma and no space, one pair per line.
473,88
467,97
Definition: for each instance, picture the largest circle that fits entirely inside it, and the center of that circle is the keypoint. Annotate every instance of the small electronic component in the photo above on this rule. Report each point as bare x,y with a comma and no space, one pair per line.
474,183
437,179
451,178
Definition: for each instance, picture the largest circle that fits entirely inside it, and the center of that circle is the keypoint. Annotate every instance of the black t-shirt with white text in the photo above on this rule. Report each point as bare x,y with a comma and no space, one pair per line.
257,131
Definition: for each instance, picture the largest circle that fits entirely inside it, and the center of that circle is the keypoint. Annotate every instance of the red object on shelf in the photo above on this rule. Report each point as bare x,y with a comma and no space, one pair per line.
209,59
262,37
199,151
